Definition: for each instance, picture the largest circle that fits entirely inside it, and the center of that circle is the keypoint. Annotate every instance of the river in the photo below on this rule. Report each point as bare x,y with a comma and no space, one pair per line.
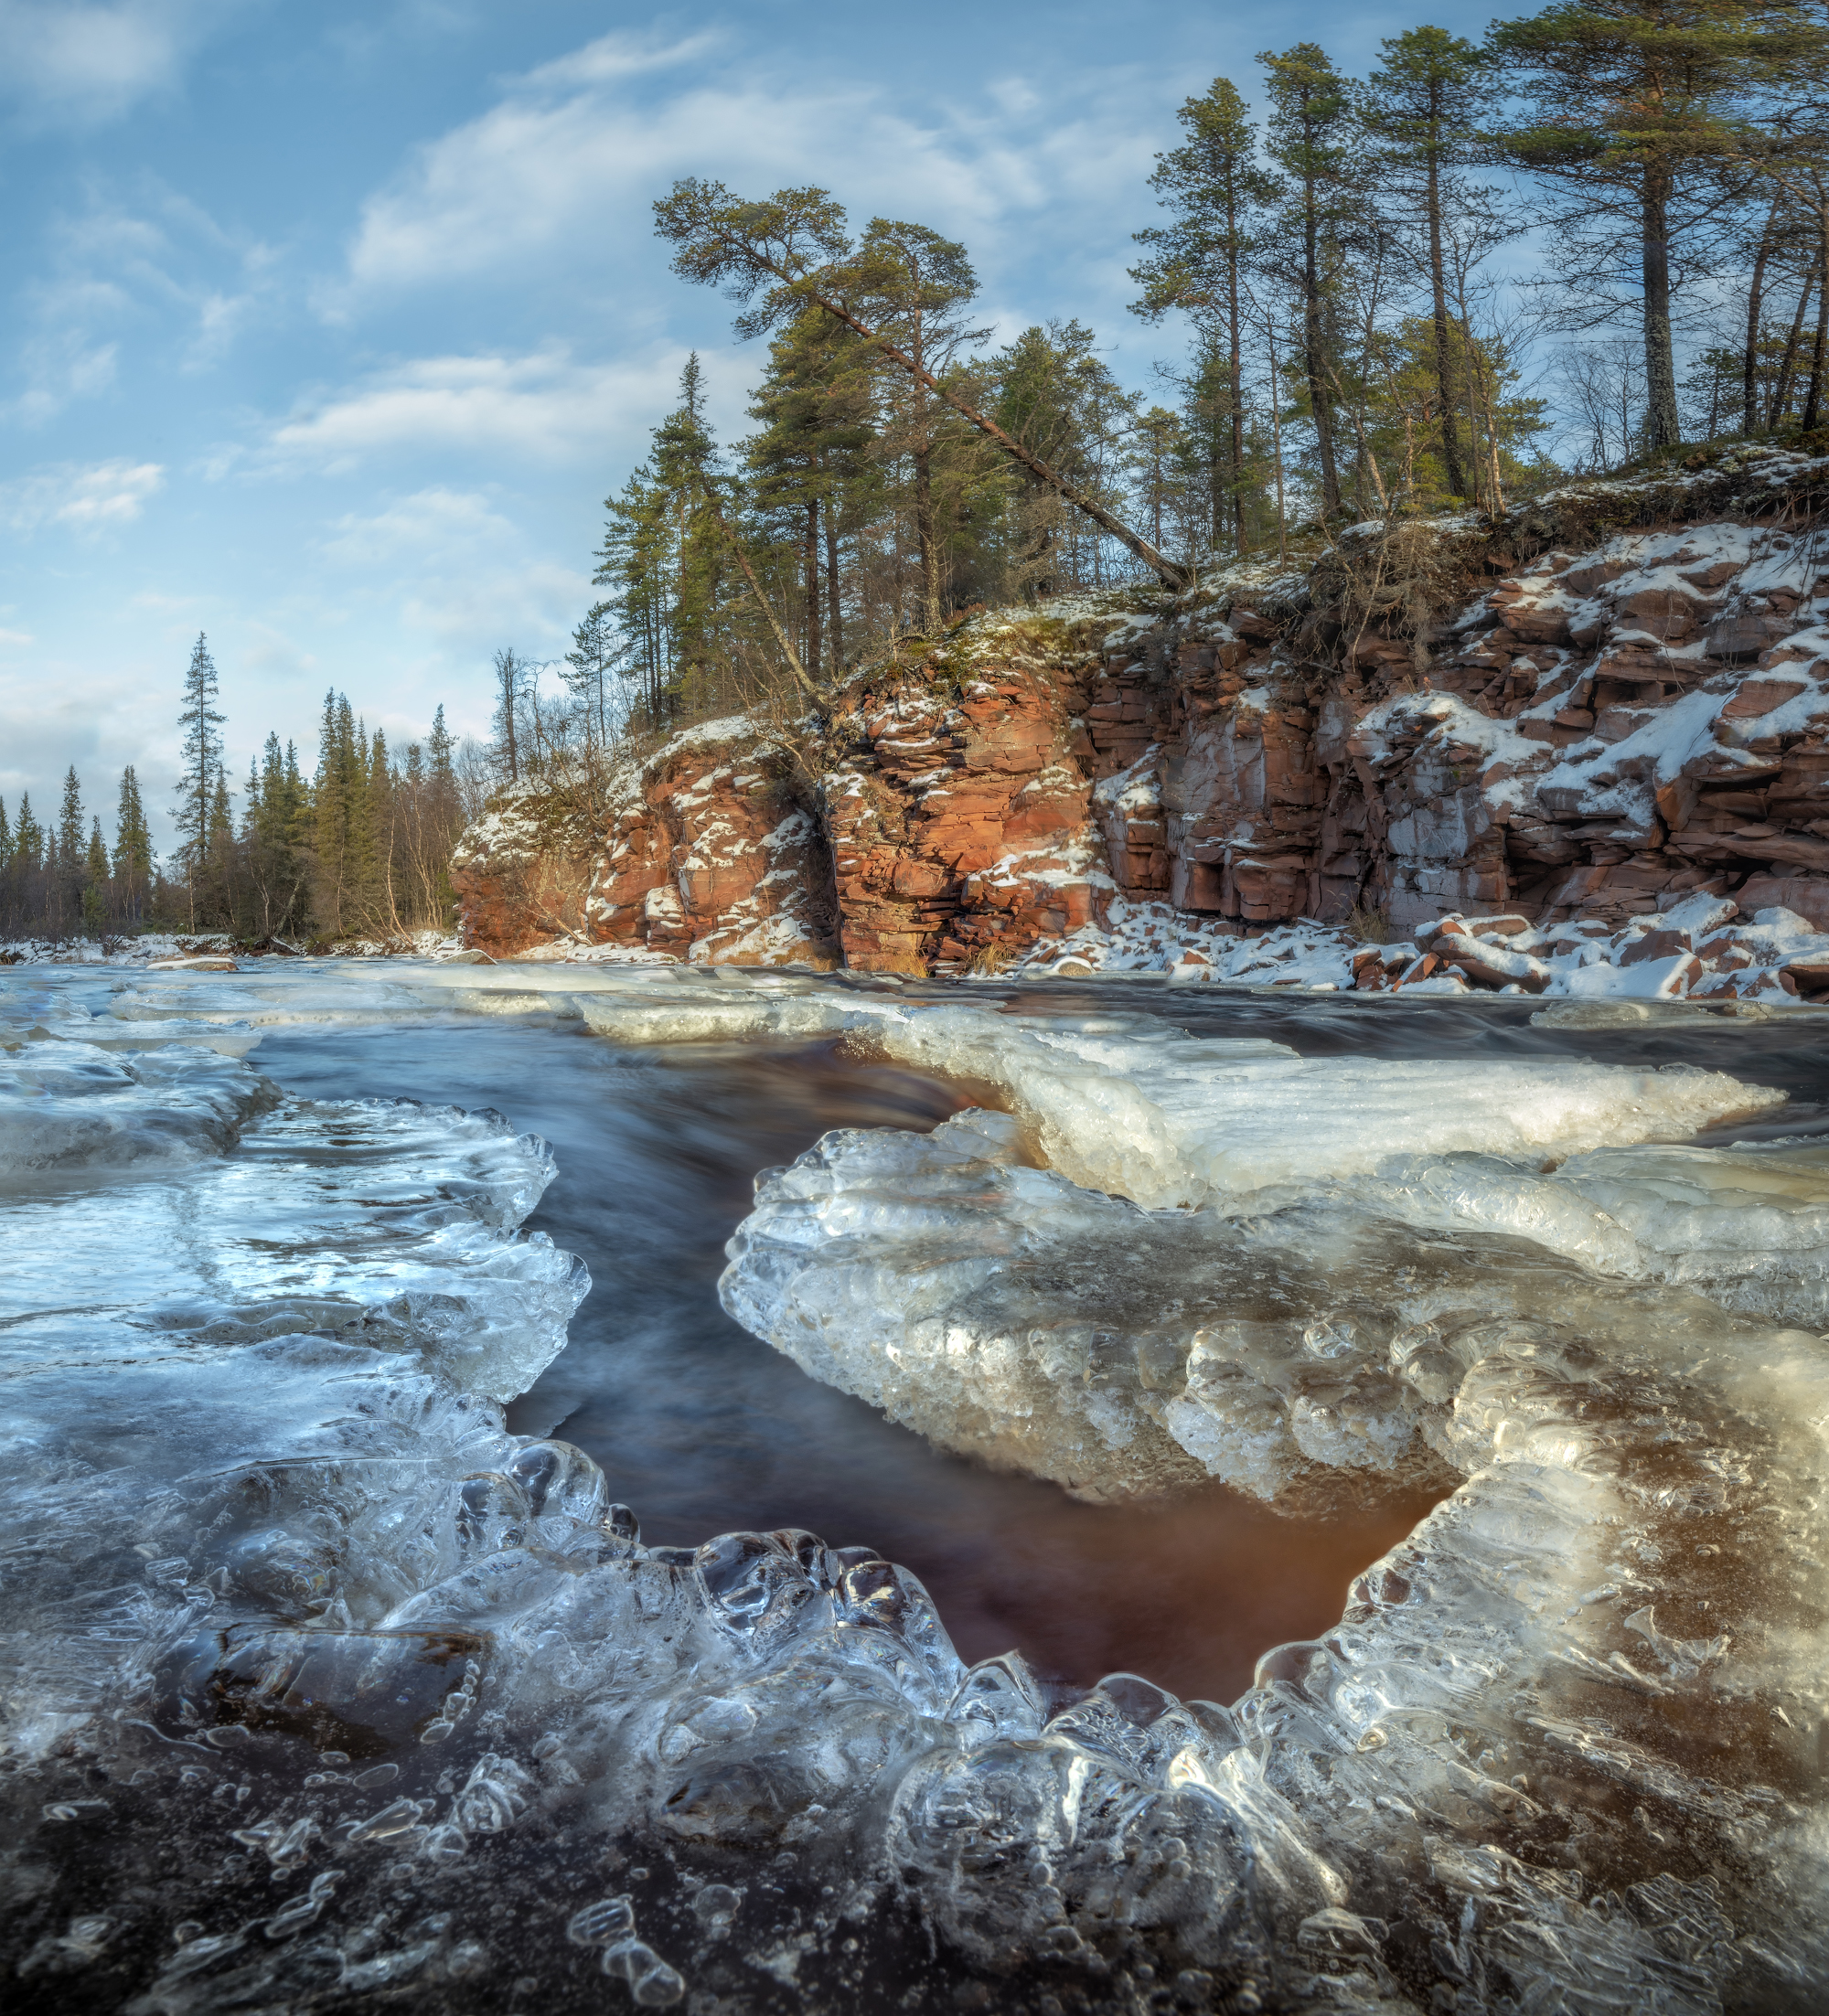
696,1425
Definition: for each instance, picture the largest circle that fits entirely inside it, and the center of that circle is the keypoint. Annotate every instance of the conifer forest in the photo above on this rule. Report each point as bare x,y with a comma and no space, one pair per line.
1599,236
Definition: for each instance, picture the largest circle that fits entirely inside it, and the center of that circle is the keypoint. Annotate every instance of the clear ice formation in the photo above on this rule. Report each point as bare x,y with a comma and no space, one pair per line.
320,1689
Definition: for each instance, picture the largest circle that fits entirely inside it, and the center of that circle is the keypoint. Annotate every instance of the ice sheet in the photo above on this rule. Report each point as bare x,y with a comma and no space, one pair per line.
1128,1105
323,1691
71,1105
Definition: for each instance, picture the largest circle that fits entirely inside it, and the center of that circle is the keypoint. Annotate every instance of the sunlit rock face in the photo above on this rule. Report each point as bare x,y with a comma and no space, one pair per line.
322,1691
1590,712
709,851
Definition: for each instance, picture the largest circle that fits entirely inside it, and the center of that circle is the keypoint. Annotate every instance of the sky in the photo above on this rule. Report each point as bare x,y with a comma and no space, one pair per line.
330,327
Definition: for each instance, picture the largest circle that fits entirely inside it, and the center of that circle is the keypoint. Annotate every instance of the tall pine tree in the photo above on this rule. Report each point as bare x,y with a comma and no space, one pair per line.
195,812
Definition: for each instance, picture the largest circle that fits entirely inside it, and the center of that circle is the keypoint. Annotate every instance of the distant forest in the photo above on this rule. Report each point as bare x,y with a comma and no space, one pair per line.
1600,237
359,848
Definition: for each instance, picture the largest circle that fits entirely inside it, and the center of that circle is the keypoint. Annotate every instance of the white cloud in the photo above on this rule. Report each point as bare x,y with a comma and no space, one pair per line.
543,407
61,58
87,498
565,165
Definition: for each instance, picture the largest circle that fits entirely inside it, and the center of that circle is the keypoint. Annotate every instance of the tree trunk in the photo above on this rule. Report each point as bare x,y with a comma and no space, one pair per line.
1663,429
1812,403
1314,344
1234,381
1787,370
1444,348
925,541
1749,364
835,621
810,572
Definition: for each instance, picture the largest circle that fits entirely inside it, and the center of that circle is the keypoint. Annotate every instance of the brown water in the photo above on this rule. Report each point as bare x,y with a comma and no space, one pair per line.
703,1429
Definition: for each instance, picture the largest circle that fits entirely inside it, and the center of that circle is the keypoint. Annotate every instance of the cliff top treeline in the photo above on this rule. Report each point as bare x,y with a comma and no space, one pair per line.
1446,284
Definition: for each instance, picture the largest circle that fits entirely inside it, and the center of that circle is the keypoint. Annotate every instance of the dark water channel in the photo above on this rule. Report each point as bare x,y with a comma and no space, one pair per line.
701,1428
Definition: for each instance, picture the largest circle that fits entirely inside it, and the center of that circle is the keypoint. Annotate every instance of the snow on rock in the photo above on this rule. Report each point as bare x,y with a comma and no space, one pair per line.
1701,948
1613,699
705,851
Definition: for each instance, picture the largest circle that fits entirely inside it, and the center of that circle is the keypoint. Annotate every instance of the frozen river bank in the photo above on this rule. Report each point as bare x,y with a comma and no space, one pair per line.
324,1684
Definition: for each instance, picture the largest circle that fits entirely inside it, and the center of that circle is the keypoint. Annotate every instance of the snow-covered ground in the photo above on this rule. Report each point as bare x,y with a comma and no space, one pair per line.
1700,949
156,947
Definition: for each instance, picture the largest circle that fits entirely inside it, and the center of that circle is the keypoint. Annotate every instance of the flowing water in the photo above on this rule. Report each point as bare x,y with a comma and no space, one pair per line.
703,1429
325,1681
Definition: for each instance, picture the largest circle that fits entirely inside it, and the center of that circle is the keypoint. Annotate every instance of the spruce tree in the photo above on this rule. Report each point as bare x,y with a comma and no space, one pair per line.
378,818
133,848
95,882
71,847
194,813
595,648
221,862
29,837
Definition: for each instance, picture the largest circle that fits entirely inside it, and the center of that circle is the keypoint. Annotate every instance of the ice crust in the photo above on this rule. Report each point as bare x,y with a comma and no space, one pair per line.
322,1690
69,1105
1127,1105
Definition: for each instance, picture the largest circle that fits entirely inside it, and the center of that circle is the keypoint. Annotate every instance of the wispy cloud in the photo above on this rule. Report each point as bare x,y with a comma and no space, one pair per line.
89,498
542,406
458,574
63,60
565,164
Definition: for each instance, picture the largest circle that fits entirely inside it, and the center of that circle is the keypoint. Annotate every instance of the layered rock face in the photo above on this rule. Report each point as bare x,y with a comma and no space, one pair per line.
1614,700
709,850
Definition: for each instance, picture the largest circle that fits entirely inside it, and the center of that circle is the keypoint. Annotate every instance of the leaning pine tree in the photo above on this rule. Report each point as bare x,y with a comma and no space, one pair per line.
791,252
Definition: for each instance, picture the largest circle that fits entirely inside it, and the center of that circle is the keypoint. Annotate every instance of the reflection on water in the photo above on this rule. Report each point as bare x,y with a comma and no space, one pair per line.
703,1429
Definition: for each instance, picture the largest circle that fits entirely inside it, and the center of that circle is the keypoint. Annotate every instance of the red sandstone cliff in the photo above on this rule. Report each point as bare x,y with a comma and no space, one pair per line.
1615,698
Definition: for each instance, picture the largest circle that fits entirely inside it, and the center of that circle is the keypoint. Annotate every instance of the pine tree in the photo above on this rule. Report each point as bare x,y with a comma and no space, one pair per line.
1424,109
810,403
918,286
1056,395
1635,110
1217,197
194,814
1311,140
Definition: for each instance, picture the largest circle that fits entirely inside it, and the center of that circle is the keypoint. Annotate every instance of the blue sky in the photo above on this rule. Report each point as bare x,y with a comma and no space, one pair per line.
330,327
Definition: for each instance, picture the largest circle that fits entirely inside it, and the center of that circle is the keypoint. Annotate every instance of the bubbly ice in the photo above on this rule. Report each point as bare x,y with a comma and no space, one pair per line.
319,1689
